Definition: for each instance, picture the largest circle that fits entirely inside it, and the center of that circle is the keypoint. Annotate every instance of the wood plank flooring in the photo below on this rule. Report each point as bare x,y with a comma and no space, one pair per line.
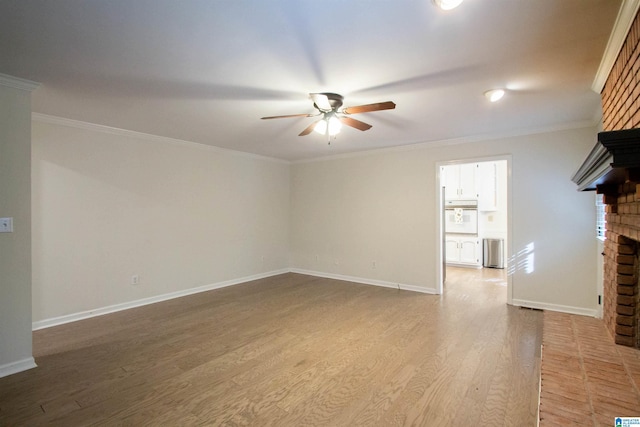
587,379
291,350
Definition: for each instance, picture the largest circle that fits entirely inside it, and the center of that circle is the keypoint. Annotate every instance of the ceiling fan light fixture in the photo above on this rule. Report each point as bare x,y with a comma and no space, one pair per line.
494,95
334,125
321,127
447,4
329,106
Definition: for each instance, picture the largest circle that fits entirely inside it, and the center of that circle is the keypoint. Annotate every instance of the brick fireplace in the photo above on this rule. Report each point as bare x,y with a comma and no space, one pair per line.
613,169
621,310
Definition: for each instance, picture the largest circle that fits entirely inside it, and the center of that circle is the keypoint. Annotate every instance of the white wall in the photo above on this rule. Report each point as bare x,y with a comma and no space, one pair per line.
109,204
349,212
15,248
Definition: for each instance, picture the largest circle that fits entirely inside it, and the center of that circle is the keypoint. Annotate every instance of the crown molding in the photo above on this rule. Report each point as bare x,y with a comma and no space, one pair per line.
18,83
454,141
626,15
78,124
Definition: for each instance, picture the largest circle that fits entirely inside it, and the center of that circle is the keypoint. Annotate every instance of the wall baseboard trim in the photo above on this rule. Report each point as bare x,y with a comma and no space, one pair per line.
74,317
556,307
18,366
364,281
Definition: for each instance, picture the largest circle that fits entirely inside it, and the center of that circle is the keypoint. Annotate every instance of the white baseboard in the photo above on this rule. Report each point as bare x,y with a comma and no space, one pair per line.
61,320
365,281
19,366
556,307
474,266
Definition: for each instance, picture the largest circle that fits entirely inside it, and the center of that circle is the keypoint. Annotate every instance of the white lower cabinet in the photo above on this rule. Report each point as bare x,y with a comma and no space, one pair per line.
463,249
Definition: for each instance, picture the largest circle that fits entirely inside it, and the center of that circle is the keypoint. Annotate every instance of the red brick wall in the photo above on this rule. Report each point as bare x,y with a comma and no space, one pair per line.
620,302
621,92
621,110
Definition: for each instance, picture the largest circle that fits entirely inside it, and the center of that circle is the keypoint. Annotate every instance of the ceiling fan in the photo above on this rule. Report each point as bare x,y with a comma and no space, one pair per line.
329,107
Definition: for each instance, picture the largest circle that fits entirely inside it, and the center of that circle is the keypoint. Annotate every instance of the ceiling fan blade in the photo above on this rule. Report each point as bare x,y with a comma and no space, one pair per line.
287,116
388,105
355,123
308,129
322,101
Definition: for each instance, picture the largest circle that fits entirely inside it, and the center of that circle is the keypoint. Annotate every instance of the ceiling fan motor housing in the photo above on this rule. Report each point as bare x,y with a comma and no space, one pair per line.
335,100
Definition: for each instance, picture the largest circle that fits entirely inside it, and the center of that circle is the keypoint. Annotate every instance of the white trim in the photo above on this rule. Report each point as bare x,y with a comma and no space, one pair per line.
77,124
469,266
555,307
600,276
417,145
19,366
626,15
61,320
365,281
18,83
539,387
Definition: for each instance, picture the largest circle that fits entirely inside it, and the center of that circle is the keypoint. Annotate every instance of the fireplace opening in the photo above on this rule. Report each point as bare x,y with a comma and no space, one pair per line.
627,318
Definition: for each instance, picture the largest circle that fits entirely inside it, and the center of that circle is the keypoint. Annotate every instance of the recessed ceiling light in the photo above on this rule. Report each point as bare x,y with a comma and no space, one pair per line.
494,95
447,4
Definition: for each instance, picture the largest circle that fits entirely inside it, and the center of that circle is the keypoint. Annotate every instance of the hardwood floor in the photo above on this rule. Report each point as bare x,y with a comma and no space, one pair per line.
291,350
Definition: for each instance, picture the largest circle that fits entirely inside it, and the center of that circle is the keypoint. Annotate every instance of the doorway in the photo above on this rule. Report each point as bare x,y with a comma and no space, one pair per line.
474,217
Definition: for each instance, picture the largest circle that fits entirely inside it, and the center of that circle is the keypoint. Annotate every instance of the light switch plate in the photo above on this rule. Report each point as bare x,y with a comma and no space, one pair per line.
6,225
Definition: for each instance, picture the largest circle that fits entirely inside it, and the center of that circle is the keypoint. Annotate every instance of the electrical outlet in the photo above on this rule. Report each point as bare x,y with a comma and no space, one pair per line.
6,225
135,279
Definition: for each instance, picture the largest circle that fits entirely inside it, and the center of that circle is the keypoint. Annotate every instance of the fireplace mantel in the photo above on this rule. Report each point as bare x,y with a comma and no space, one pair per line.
612,159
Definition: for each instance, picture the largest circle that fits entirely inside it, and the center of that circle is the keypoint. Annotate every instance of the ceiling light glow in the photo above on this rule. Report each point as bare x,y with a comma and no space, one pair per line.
334,126
447,4
332,123
494,95
321,127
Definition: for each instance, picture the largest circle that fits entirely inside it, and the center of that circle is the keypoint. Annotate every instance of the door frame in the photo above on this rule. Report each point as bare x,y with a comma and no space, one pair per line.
440,232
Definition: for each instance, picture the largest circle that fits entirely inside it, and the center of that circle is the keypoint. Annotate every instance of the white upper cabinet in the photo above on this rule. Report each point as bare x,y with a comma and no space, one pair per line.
468,181
460,181
487,186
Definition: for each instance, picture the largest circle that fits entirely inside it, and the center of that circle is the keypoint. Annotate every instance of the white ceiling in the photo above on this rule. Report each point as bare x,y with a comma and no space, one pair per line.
207,70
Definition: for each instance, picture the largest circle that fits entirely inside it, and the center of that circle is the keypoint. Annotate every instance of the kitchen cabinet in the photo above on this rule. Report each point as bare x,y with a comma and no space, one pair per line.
460,181
463,250
487,186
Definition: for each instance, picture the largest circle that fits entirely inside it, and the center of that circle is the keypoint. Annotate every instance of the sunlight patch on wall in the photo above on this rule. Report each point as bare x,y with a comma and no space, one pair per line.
523,260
